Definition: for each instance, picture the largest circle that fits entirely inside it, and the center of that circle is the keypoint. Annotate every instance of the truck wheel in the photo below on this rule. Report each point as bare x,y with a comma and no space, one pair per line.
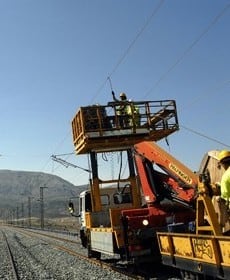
83,238
93,254
187,275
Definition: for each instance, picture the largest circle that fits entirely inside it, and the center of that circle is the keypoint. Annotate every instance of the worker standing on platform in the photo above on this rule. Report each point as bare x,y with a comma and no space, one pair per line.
134,114
127,111
122,109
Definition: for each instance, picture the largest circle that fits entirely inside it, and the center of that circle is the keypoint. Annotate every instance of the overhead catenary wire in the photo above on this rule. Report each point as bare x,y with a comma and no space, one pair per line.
124,55
136,38
190,47
121,59
205,136
66,154
194,43
67,164
208,92
211,91
139,33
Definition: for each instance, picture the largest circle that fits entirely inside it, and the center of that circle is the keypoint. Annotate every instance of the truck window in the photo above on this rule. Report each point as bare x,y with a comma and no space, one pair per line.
88,204
104,200
121,198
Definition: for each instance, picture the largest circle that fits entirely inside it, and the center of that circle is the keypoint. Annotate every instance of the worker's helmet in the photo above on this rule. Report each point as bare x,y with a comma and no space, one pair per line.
123,96
224,156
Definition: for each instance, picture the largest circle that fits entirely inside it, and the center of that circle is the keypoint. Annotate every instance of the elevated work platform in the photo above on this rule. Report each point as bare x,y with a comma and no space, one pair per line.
120,125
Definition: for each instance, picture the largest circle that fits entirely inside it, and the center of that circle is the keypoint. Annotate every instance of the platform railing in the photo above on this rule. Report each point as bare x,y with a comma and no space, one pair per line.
123,121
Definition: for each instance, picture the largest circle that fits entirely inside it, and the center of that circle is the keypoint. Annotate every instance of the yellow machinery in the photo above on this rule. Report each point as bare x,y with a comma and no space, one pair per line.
112,218
103,129
205,253
201,253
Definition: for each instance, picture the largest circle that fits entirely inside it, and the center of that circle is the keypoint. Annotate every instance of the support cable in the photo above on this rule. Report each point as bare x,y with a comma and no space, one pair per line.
136,38
205,136
67,164
195,42
128,49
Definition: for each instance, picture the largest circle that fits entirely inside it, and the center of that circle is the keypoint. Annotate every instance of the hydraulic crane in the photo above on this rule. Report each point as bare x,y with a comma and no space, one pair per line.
121,215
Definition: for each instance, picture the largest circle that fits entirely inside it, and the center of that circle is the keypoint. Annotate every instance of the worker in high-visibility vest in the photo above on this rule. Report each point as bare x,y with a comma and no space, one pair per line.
222,200
121,110
127,112
224,160
134,114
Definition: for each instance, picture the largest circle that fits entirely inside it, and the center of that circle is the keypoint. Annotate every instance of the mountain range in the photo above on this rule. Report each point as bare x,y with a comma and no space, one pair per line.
23,192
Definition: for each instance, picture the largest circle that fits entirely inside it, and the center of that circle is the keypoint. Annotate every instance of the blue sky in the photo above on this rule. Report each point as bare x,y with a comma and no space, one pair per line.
56,55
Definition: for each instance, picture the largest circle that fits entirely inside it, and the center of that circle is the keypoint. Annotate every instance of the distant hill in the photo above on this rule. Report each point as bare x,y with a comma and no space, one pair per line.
17,186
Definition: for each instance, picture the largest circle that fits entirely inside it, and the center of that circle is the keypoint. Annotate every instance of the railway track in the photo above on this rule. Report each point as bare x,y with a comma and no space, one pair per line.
71,250
103,264
11,267
67,248
159,272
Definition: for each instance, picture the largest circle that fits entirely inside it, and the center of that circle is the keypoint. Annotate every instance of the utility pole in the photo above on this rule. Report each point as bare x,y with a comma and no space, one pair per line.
29,211
22,216
13,216
17,215
42,205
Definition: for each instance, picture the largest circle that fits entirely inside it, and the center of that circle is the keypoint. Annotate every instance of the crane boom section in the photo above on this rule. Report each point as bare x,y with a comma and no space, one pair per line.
156,154
177,182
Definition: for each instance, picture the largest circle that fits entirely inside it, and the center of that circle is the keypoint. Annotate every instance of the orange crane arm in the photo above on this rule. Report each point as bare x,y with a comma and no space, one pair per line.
180,180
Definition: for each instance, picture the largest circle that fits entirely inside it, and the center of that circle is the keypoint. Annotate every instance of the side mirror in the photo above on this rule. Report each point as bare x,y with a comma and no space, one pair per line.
71,207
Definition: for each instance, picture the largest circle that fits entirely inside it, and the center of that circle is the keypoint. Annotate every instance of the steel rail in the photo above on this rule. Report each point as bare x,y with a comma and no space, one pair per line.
11,258
100,263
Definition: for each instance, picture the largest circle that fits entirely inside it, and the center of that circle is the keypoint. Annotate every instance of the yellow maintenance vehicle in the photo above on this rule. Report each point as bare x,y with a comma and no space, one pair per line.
150,207
103,132
204,252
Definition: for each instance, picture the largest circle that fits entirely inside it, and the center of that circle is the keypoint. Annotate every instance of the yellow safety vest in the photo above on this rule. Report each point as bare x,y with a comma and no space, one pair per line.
225,185
133,111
